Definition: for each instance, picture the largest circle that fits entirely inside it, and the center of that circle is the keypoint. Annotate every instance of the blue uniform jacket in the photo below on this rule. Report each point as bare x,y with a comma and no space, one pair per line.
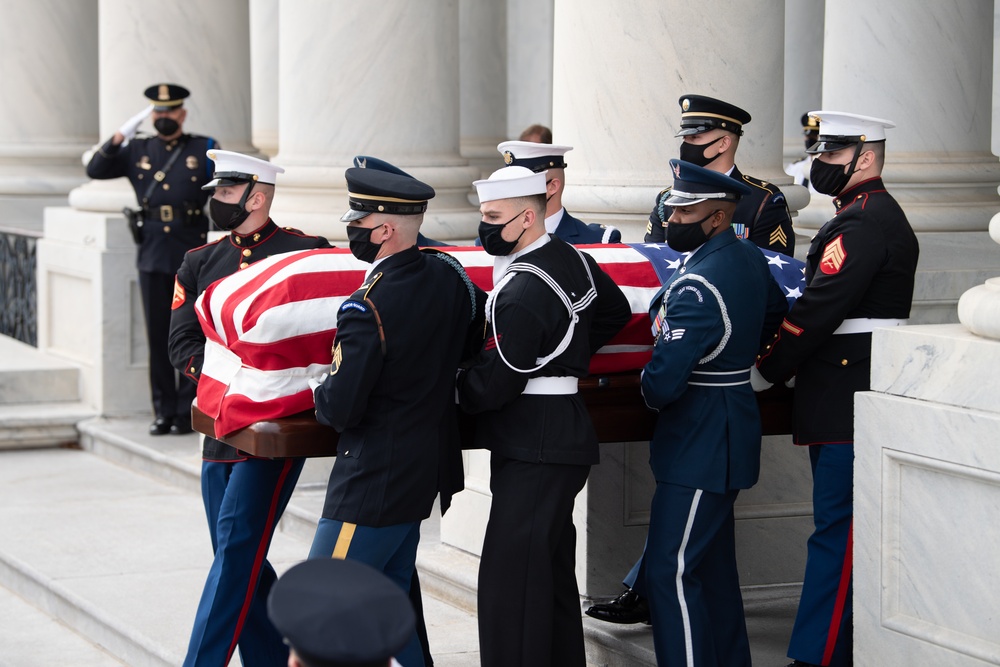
720,308
577,232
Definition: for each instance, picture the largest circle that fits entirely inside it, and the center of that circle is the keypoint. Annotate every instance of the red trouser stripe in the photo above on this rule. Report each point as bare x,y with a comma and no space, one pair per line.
259,559
838,608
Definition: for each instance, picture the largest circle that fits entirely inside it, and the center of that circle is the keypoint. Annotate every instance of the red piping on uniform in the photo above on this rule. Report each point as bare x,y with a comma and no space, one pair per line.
838,607
259,559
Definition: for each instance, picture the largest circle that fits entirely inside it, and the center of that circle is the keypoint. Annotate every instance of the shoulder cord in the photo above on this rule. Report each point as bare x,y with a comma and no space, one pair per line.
572,309
727,324
460,270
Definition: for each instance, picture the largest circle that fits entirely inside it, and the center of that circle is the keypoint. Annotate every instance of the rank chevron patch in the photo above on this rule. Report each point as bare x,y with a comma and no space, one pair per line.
833,256
778,237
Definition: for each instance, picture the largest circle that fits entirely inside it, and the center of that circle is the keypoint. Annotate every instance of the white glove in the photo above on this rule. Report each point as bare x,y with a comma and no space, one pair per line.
790,382
757,380
128,130
316,382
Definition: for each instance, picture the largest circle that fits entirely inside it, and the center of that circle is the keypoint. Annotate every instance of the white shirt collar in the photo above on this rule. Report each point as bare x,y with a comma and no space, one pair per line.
500,264
552,222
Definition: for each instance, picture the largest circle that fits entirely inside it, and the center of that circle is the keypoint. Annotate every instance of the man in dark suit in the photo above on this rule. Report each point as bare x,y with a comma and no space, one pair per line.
390,391
550,159
711,131
551,308
709,320
244,496
859,276
167,173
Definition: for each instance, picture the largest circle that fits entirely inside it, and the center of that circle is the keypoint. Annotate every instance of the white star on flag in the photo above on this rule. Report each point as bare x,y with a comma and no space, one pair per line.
674,263
777,261
795,292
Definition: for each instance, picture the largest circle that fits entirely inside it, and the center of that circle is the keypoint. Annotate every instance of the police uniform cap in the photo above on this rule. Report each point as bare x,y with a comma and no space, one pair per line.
694,184
379,187
535,156
235,168
839,129
341,612
700,113
166,96
510,182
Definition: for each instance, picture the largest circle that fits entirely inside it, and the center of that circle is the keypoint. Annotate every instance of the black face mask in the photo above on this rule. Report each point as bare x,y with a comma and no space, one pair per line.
695,153
360,241
166,126
228,217
829,178
493,243
689,236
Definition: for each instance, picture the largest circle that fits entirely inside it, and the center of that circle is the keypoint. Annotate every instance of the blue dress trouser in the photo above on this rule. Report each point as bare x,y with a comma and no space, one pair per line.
823,629
391,549
243,502
695,602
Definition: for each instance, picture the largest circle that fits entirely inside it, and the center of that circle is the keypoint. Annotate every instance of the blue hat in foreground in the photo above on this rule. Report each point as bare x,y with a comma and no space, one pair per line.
375,186
694,184
341,612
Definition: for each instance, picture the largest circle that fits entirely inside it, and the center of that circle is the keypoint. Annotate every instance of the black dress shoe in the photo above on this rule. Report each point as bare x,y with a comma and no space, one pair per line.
180,427
629,607
161,426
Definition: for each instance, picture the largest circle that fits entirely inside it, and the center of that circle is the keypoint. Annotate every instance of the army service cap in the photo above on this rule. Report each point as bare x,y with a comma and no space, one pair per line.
166,96
379,187
235,168
701,114
341,612
839,129
535,156
694,184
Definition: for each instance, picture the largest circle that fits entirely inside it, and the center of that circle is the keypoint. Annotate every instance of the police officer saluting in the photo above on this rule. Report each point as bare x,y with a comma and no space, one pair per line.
167,172
711,131
859,276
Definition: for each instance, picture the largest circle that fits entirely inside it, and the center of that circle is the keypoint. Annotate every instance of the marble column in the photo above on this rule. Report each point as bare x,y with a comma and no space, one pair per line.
375,80
48,110
939,167
482,74
529,66
264,75
619,70
803,68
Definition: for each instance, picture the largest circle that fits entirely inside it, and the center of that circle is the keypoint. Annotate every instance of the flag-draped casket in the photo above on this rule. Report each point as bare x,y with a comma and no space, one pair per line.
270,327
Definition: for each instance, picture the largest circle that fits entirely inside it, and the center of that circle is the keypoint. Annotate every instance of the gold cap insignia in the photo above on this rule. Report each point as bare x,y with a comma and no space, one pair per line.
163,92
685,104
508,157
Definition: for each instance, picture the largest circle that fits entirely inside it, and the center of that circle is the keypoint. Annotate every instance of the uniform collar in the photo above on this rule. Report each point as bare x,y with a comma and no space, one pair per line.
859,190
255,237
552,222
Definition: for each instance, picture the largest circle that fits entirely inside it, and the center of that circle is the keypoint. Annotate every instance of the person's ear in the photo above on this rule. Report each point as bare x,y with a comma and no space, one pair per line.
552,186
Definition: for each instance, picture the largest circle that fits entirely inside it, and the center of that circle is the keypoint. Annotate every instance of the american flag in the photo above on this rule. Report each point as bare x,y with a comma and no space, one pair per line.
270,327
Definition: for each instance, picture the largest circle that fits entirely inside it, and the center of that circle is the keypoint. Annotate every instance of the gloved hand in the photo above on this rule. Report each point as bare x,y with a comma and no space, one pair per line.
316,382
757,380
128,130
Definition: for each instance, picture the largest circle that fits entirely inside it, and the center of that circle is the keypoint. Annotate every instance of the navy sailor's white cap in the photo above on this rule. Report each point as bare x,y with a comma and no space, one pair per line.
234,168
838,129
694,184
535,156
510,182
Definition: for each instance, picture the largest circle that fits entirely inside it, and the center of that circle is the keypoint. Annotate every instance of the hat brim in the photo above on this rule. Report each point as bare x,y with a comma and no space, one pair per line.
353,215
677,200
221,183
830,146
689,131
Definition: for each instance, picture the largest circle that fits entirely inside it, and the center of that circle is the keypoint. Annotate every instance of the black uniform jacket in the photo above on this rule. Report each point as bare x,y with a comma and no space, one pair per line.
391,389
530,322
762,217
202,267
175,220
861,264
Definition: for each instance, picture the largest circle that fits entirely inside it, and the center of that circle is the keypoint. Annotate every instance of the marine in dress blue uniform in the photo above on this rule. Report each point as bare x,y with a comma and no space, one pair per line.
709,321
551,308
859,276
550,159
390,392
761,216
244,496
171,222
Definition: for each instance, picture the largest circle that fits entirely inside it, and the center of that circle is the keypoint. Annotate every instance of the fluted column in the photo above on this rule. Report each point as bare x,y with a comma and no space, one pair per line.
529,65
376,79
48,109
803,68
205,47
264,74
482,46
620,68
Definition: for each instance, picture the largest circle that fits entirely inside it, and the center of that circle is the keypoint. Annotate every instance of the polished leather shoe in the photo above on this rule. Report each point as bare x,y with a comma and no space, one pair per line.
629,607
161,426
180,427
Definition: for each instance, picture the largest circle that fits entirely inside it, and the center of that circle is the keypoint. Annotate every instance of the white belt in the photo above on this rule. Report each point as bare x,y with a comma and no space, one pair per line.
866,325
551,385
720,378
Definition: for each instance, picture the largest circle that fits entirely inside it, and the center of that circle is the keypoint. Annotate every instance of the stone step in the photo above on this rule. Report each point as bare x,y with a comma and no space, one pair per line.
40,424
30,376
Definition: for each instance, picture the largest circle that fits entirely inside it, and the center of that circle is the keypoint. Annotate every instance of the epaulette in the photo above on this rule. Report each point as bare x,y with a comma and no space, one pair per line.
460,270
763,185
369,284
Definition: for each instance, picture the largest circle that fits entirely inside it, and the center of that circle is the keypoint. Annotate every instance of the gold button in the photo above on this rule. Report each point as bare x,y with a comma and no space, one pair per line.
192,370
166,186
843,362
194,179
244,265
247,252
170,147
140,176
166,229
